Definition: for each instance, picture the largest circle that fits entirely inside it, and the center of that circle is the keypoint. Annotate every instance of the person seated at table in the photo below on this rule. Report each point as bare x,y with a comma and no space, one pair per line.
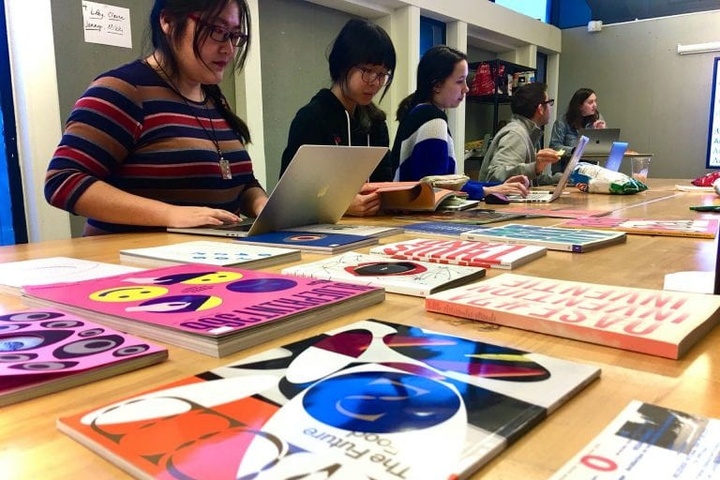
361,63
423,145
513,148
582,112
154,143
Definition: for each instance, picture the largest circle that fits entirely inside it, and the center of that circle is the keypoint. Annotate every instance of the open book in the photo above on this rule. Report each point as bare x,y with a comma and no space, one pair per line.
420,196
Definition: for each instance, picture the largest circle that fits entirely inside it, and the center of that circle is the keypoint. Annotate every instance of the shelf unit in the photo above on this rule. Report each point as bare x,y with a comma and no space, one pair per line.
494,87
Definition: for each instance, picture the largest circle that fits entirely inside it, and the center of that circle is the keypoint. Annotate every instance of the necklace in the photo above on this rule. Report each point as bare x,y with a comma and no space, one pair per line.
223,163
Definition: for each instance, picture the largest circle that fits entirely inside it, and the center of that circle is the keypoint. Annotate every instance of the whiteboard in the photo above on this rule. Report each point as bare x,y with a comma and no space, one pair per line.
713,155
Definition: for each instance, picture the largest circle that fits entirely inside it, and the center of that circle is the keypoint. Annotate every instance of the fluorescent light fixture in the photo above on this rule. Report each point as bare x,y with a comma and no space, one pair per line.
698,48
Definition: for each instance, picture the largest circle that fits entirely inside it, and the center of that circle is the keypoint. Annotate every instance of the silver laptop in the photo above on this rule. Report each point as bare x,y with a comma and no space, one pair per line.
317,187
601,140
617,152
546,197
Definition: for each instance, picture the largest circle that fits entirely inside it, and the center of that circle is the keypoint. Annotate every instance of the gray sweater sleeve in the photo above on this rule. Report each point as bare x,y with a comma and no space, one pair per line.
511,156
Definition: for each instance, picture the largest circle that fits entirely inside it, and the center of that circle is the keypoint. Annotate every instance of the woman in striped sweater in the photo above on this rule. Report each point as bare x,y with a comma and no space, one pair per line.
154,143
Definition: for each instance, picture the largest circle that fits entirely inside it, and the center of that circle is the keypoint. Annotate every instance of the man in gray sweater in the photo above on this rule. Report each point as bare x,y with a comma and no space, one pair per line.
512,151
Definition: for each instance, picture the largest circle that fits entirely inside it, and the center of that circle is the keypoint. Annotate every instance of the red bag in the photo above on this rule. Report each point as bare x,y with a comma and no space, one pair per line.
706,180
483,83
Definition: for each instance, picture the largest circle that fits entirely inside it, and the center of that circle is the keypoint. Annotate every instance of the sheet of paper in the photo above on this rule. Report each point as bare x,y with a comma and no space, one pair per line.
691,282
106,24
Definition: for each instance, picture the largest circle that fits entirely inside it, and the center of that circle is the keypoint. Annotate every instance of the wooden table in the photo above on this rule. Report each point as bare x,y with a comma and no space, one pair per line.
31,447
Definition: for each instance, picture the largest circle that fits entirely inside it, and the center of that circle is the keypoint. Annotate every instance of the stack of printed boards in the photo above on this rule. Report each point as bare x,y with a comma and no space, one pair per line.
46,351
213,310
367,400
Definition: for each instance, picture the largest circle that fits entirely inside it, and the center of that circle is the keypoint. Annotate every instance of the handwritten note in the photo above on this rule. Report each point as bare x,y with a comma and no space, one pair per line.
713,158
106,24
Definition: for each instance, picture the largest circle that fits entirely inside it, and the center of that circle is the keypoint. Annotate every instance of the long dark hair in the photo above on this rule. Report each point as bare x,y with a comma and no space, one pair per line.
361,42
437,64
177,13
573,115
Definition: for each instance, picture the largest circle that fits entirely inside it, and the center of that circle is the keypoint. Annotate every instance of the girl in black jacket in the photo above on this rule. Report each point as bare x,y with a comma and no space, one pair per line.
361,63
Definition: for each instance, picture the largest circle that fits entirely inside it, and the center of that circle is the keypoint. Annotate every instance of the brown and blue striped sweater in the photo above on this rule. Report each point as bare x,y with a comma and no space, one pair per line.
131,130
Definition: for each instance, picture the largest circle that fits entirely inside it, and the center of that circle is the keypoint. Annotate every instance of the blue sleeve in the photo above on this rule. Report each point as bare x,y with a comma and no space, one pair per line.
476,190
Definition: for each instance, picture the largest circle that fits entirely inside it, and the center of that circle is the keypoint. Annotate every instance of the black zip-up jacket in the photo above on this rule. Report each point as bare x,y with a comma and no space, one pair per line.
324,121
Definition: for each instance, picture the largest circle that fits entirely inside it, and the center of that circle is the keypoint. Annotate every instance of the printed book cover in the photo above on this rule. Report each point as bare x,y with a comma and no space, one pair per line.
476,216
220,254
645,440
439,229
350,229
553,238
371,399
538,211
45,351
699,228
41,271
654,322
462,252
309,241
213,310
409,277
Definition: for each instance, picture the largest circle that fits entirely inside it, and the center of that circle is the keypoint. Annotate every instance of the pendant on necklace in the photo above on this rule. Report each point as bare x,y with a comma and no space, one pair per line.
224,167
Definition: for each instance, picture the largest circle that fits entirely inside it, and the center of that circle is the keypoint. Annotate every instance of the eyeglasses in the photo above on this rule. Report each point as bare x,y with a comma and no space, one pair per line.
222,34
550,102
371,76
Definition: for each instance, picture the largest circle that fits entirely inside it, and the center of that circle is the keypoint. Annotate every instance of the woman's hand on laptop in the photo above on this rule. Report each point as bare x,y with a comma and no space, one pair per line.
183,217
365,204
515,185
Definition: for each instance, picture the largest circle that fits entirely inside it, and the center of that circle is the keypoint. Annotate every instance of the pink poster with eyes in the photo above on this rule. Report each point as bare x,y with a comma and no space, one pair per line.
41,347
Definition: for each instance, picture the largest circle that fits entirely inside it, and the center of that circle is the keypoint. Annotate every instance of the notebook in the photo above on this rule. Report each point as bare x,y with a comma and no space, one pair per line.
546,197
601,140
317,187
617,152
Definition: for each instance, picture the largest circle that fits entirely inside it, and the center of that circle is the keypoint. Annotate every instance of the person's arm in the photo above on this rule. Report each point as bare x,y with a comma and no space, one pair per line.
515,185
508,159
106,203
557,138
600,122
253,199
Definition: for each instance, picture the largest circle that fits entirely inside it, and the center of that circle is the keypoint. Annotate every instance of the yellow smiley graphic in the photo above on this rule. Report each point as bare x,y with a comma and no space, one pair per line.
128,294
217,277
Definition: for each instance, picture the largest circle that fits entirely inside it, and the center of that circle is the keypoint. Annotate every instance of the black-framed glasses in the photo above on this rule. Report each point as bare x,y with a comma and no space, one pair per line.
222,34
550,102
371,76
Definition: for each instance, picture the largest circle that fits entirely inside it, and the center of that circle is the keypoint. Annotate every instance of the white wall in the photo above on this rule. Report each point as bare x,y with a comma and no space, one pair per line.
37,110
660,100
